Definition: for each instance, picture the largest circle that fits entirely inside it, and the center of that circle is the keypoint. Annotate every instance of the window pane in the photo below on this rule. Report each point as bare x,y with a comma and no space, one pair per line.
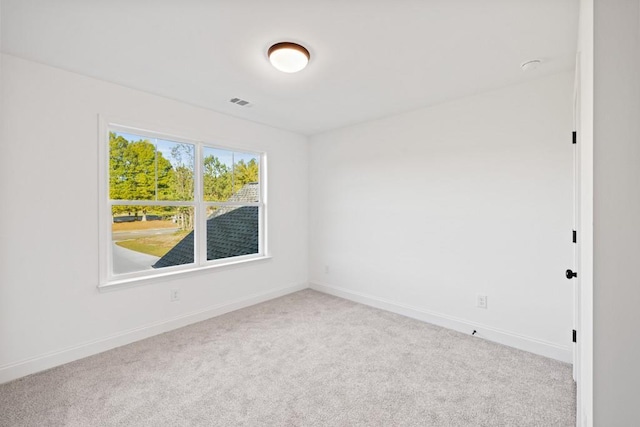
178,184
246,175
142,168
151,237
230,176
217,171
232,231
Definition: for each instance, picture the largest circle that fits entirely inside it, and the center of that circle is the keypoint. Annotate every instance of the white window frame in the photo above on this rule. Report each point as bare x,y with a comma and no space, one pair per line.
108,280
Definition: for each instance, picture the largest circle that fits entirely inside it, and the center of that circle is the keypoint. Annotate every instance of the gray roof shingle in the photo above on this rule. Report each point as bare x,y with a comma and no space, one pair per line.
247,194
231,231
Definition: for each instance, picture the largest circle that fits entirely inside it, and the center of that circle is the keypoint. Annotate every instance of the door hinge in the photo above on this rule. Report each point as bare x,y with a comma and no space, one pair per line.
575,236
575,336
574,137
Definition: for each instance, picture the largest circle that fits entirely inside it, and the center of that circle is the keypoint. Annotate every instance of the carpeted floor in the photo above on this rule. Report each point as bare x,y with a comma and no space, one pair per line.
306,359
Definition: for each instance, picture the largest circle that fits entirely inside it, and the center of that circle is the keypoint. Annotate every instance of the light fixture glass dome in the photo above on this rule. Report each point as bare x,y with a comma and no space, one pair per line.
288,57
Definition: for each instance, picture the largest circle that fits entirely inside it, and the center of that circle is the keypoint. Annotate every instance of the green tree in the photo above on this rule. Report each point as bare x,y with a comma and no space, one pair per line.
244,173
137,172
182,156
182,184
217,180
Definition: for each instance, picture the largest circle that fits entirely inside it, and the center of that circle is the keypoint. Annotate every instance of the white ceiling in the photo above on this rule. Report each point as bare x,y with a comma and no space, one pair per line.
369,59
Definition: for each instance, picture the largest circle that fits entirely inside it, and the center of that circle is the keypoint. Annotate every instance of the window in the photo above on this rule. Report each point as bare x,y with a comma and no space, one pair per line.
172,204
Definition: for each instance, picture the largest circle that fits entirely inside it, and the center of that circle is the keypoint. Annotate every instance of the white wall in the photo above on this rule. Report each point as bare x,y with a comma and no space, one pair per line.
616,194
50,309
419,213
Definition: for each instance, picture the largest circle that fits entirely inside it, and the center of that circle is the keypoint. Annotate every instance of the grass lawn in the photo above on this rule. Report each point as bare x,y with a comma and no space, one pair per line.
154,245
142,225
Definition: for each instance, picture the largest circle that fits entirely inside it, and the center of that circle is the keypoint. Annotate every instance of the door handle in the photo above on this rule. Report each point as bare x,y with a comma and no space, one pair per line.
570,274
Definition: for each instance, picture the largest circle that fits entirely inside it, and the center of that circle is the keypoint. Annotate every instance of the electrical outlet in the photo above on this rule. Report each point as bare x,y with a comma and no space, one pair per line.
482,301
326,269
175,295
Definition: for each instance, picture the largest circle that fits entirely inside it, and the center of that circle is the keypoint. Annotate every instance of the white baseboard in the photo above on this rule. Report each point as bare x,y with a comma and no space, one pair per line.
52,359
522,342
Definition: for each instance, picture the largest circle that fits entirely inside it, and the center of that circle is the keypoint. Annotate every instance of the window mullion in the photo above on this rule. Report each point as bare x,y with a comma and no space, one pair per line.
200,234
148,203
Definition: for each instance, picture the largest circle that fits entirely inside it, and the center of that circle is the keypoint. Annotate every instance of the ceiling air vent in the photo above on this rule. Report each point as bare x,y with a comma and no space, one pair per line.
240,102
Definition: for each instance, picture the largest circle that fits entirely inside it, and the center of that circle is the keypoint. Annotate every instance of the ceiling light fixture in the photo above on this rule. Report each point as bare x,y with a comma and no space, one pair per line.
530,65
288,57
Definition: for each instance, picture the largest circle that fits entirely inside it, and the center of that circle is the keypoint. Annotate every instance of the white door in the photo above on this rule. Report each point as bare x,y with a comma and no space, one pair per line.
572,272
575,268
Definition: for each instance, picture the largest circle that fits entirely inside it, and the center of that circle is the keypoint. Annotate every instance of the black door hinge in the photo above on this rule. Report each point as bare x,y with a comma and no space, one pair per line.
575,137
575,336
575,236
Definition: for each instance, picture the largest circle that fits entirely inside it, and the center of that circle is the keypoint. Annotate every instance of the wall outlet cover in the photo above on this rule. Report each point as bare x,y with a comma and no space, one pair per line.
482,301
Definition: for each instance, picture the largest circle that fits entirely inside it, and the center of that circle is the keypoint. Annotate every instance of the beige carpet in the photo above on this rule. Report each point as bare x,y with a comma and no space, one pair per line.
306,359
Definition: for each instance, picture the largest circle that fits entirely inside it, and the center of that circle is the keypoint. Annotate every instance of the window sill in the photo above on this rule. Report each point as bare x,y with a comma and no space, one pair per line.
117,284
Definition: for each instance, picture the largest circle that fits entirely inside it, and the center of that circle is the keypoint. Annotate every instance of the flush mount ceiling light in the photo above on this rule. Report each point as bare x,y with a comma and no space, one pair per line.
288,57
530,65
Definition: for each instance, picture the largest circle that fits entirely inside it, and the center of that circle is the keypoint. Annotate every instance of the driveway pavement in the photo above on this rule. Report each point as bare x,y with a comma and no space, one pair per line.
127,261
